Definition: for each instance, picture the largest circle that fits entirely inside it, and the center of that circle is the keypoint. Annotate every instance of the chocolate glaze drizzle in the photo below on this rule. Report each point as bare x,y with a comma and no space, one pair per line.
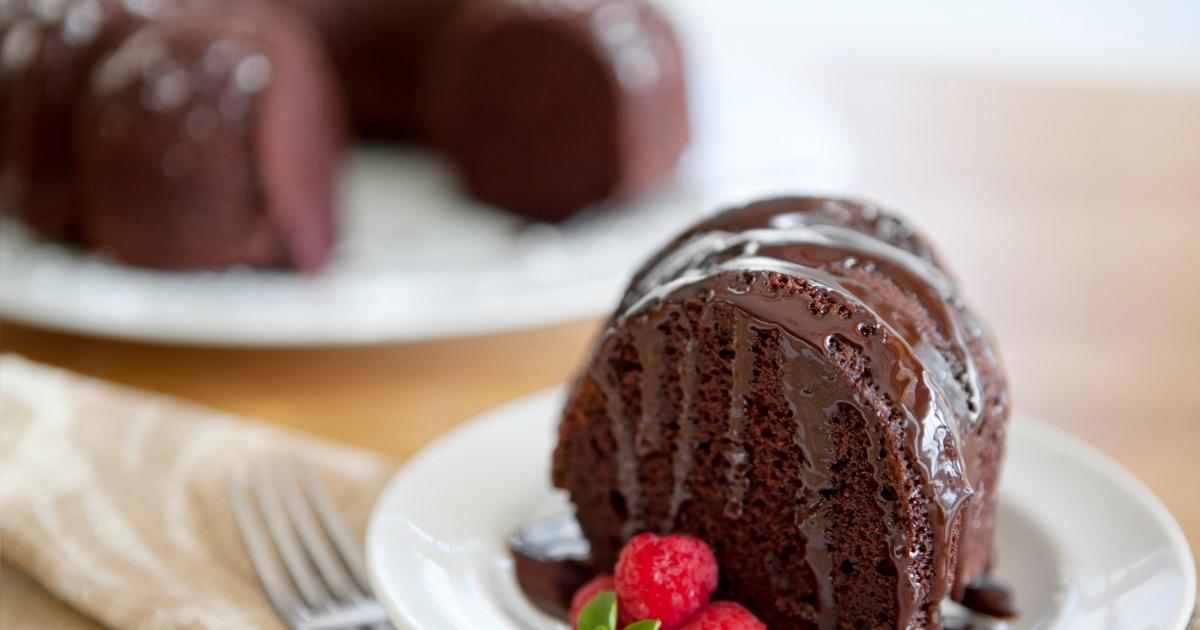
736,457
684,457
627,465
649,433
922,381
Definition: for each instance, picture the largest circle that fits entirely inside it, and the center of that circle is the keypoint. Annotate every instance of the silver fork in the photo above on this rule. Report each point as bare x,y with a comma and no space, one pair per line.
334,596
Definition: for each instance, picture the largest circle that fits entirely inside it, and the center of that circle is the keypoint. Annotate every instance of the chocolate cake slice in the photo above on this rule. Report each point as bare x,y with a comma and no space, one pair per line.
547,106
209,137
799,383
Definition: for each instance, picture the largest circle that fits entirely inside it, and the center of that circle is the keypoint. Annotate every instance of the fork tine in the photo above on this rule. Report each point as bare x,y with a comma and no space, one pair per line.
297,564
315,542
279,589
336,527
366,613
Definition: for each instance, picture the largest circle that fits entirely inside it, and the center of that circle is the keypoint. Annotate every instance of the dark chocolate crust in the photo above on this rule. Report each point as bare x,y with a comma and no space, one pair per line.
209,138
547,107
798,383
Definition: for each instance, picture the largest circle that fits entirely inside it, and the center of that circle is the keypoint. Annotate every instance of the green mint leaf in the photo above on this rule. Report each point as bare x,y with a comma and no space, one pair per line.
600,613
648,624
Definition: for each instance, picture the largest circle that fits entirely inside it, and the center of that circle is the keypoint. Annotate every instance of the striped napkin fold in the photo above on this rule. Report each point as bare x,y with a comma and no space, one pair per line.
113,507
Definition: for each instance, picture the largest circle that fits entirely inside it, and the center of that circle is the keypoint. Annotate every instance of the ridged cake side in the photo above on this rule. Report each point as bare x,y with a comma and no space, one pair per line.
797,383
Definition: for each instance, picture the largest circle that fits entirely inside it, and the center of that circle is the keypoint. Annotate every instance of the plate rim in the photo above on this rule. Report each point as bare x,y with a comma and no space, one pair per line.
1046,434
32,314
1056,438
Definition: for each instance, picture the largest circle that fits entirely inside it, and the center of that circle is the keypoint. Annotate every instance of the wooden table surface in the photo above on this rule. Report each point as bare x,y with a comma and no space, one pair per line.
1070,211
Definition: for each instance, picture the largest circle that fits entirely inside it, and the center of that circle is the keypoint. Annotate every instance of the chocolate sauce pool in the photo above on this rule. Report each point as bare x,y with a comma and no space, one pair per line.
989,598
550,560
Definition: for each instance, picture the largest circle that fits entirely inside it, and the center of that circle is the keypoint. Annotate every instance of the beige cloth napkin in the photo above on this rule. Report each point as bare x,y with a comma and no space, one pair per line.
113,506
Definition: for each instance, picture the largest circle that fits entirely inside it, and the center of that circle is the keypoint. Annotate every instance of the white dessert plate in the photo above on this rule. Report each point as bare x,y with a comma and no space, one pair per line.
416,259
1082,543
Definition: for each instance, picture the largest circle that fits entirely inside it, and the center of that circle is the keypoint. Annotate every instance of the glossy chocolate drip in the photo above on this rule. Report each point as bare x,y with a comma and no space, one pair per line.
649,438
812,405
550,562
684,456
628,483
736,458
937,395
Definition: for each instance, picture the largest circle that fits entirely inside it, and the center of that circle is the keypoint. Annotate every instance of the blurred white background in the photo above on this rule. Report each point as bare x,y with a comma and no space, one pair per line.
1145,42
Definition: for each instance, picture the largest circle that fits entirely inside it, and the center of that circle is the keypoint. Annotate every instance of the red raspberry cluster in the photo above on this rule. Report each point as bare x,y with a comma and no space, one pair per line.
670,579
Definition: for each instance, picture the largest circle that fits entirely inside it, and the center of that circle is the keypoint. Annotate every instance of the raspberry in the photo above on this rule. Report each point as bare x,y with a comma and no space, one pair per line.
586,593
724,616
665,578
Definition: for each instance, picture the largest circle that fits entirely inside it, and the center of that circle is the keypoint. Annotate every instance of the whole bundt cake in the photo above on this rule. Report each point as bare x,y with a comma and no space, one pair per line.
545,107
798,383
